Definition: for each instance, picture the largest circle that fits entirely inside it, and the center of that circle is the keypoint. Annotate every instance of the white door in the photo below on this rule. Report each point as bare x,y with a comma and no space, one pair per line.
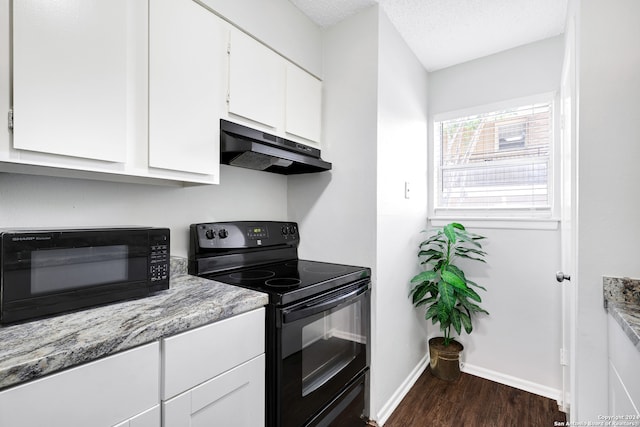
568,220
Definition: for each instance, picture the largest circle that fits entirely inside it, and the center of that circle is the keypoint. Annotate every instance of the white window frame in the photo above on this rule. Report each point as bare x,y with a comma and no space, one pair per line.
500,217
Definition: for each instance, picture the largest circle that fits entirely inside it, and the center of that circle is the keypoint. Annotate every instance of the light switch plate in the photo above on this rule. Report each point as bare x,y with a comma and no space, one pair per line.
407,190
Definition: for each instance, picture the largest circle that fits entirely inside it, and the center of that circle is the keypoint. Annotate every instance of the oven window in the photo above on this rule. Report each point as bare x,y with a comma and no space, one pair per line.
70,268
330,344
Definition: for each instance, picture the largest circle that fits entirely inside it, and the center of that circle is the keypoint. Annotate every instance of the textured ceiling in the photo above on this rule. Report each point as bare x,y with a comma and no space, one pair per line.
448,32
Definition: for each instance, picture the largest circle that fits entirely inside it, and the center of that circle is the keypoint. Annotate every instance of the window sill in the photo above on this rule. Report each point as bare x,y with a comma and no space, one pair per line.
499,223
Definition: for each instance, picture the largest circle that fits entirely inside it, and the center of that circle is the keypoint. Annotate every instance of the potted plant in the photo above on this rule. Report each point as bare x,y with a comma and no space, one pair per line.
448,295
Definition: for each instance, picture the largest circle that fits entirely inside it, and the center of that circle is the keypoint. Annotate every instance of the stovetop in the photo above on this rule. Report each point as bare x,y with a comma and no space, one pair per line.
263,256
290,281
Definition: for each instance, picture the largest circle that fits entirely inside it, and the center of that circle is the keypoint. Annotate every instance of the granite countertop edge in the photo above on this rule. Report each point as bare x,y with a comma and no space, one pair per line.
38,348
622,301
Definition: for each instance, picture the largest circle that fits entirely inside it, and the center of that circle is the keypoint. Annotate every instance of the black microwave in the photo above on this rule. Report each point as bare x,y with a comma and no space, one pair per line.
44,272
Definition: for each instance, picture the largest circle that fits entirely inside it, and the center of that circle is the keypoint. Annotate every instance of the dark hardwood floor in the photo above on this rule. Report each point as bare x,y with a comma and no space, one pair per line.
472,401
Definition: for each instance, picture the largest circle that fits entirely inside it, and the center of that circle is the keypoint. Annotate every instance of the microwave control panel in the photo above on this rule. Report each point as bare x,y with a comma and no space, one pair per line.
159,257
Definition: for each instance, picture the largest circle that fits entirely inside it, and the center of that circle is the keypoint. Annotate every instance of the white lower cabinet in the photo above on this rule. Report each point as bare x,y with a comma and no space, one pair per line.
214,375
119,390
624,371
235,398
211,376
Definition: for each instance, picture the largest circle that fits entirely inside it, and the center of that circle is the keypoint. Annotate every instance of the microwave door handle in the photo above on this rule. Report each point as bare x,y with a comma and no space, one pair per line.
300,313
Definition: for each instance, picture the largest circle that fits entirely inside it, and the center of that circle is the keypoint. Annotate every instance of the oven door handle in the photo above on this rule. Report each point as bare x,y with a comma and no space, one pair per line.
295,313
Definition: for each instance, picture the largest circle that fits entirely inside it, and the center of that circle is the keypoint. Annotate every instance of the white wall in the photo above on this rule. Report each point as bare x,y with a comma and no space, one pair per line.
400,339
527,70
337,209
519,342
374,126
36,201
608,85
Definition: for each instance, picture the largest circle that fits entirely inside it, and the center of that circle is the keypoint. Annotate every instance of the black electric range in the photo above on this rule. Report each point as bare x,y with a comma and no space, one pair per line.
263,256
317,319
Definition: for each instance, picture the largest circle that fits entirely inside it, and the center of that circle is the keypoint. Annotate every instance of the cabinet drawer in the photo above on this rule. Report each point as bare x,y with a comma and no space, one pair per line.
193,357
101,393
235,397
149,418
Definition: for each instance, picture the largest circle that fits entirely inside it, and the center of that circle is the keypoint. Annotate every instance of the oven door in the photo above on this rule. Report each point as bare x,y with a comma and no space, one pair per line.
324,347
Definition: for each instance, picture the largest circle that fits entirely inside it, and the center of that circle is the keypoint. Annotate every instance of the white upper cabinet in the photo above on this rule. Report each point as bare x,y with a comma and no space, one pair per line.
187,82
71,75
256,80
303,104
134,90
272,92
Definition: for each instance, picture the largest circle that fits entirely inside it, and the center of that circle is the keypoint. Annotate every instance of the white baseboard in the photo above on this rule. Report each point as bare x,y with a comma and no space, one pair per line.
515,382
391,405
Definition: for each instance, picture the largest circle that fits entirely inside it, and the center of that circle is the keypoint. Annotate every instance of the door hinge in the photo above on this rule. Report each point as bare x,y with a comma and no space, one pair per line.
10,117
563,357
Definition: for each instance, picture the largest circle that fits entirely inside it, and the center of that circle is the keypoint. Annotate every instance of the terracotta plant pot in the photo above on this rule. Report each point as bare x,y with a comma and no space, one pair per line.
445,360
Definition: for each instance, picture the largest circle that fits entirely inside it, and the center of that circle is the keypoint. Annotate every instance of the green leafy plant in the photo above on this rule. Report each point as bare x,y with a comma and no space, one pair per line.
443,287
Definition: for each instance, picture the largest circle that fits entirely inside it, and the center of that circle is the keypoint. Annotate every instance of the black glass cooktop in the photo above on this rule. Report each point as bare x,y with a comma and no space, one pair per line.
290,281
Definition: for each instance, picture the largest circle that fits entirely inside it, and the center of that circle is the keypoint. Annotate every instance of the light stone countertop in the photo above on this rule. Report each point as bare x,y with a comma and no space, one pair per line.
622,300
33,349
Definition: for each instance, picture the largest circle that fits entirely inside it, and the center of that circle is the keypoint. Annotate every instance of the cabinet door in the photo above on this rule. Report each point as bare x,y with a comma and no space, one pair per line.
235,398
187,71
71,74
619,400
98,394
624,371
303,104
256,81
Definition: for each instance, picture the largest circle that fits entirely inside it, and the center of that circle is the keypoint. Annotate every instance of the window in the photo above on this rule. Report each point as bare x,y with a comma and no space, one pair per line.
511,135
495,161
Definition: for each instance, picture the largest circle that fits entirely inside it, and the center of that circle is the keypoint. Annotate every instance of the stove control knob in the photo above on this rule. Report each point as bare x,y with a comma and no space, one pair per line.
210,234
293,229
223,233
285,230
